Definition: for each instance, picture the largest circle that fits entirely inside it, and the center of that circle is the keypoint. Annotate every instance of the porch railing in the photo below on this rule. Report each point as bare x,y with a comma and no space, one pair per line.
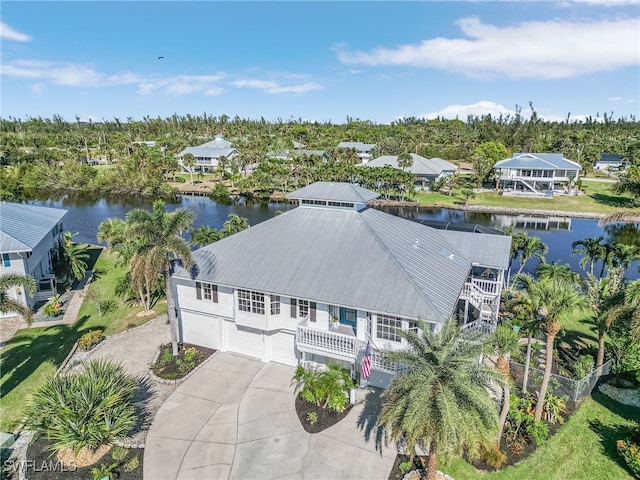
316,340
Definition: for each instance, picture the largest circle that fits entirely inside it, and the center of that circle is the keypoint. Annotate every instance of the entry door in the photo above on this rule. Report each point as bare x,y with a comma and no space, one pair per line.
348,317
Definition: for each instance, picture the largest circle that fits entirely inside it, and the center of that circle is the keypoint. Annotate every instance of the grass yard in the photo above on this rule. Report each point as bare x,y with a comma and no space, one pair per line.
598,198
35,353
583,449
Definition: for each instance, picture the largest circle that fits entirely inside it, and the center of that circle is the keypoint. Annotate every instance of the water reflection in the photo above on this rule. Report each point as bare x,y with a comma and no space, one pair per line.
627,233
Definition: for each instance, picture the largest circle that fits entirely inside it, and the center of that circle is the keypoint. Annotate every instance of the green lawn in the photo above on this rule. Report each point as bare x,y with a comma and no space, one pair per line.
35,353
598,198
583,449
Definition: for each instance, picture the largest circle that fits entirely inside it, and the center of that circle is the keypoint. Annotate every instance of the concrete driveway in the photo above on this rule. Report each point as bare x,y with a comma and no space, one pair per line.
235,419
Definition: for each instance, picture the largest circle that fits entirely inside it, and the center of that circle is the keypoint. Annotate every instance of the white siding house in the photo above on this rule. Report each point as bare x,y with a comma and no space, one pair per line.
208,155
426,170
321,280
28,235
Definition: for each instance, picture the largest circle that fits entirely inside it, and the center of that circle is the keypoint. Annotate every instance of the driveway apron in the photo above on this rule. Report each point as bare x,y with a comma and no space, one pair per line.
235,418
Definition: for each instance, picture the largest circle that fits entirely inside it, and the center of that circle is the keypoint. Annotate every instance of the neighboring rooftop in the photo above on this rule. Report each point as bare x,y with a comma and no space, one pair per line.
538,161
420,165
361,147
334,191
22,226
216,148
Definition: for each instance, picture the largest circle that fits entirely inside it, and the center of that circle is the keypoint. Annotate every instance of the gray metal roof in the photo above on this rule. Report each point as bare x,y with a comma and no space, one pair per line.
208,152
334,191
420,165
368,260
488,250
22,226
362,147
538,161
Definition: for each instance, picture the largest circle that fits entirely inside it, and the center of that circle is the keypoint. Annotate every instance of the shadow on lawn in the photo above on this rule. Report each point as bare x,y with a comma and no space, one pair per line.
612,200
30,348
610,434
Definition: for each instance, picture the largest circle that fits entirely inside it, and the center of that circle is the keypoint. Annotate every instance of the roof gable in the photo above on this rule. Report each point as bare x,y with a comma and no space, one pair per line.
538,161
420,165
334,191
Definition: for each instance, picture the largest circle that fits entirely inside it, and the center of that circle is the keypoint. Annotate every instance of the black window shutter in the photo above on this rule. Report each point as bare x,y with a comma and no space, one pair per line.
312,313
294,307
198,290
214,293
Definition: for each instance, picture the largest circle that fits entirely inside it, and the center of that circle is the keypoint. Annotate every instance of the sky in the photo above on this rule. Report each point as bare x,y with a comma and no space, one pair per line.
319,61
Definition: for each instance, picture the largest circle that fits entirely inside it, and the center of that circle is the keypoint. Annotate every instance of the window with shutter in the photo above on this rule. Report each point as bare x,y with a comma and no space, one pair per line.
294,308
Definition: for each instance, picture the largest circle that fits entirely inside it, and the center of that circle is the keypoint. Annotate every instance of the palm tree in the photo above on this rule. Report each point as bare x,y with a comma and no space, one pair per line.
591,249
606,296
235,224
529,247
504,342
112,231
405,160
622,255
204,235
558,271
71,262
8,304
552,299
442,401
160,233
189,161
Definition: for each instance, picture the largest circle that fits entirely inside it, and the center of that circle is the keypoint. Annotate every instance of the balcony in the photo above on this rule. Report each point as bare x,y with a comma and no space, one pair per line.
336,344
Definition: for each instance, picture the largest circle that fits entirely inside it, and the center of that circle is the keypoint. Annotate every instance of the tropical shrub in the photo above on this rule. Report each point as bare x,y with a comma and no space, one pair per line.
493,456
90,339
89,408
326,388
51,309
584,364
132,464
629,450
538,431
104,471
554,407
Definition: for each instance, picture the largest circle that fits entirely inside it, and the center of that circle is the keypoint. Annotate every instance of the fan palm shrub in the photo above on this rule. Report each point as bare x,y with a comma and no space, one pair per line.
442,403
85,409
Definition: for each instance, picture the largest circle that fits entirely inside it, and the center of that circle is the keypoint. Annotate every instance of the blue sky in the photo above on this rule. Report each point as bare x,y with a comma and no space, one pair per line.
319,61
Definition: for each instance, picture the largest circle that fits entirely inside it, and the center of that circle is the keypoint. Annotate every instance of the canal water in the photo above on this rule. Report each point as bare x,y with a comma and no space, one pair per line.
87,212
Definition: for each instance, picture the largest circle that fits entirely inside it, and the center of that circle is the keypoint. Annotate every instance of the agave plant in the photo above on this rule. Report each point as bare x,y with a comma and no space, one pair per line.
85,409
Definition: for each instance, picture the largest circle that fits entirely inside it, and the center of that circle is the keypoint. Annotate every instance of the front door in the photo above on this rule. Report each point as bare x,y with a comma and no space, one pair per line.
348,317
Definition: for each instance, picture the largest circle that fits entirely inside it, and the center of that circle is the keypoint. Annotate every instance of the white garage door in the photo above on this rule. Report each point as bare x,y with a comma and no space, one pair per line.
245,341
201,330
283,348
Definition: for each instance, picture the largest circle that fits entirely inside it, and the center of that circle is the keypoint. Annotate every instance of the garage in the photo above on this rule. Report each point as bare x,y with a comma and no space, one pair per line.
283,348
200,329
245,341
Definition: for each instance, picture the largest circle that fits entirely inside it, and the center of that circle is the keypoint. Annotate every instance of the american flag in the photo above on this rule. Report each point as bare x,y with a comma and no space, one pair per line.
366,361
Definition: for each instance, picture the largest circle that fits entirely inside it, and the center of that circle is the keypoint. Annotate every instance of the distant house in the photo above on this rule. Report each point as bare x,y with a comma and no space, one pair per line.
296,153
426,170
609,161
320,281
364,149
208,154
537,174
28,236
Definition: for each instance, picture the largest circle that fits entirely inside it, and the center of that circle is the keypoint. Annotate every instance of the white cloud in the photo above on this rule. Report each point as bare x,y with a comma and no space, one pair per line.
486,107
83,75
615,99
606,3
37,88
8,33
275,88
541,50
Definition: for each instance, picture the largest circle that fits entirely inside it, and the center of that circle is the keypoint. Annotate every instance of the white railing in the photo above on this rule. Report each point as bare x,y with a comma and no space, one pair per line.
478,327
316,340
486,286
377,363
478,296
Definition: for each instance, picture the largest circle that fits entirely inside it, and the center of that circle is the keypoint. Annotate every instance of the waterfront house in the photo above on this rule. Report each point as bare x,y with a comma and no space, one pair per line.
318,281
28,237
537,174
364,150
609,161
208,155
426,170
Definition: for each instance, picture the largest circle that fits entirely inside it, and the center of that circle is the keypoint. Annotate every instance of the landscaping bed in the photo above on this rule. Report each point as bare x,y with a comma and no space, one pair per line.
315,419
41,464
170,367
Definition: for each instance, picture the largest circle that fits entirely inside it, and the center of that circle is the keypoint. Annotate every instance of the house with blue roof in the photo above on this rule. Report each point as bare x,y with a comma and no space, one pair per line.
537,174
28,237
318,282
208,155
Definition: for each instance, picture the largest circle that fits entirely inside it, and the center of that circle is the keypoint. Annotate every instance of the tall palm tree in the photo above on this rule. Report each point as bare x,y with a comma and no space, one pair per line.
591,249
8,304
112,231
622,255
71,262
189,161
504,342
558,271
405,160
235,224
552,300
160,233
529,247
442,402
606,296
